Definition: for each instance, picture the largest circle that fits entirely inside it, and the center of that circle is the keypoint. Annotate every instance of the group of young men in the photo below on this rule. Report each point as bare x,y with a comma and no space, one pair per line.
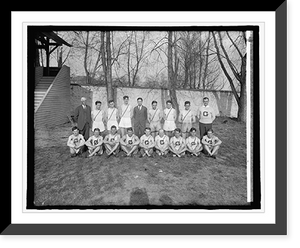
135,138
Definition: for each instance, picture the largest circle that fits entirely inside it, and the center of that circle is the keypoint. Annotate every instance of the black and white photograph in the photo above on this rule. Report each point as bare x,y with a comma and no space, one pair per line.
143,117
148,123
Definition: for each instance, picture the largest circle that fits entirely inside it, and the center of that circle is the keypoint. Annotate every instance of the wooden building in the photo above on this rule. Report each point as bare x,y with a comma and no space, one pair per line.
52,84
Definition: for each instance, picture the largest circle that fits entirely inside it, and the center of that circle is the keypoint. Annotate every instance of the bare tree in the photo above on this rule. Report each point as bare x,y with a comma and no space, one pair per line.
109,86
171,81
238,74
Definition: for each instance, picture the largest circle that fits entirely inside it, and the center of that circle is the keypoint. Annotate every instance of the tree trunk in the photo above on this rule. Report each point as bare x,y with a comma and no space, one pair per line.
242,111
87,73
109,87
171,84
225,71
206,62
103,57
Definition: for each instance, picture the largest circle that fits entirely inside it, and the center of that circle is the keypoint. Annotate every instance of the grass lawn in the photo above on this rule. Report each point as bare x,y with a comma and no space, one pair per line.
62,180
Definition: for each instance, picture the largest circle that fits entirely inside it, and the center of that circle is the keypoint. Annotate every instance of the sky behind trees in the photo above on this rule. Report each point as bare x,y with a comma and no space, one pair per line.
140,58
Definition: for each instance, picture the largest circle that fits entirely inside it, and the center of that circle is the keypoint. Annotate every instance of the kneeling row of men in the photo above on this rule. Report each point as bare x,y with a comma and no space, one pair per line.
130,143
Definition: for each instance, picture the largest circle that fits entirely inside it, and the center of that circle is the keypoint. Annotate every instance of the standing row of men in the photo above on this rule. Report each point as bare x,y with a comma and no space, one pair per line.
137,117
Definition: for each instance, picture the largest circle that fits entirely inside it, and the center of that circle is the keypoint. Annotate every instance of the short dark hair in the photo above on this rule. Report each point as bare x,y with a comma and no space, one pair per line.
125,97
139,98
193,129
96,129
169,101
154,102
75,128
210,130
98,102
177,130
147,128
111,101
129,129
113,126
205,98
187,102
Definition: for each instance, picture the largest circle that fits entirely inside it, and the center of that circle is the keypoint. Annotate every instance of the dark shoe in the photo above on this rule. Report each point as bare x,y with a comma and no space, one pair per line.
214,156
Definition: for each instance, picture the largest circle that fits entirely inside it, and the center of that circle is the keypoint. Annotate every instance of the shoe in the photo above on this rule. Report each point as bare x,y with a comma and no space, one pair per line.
214,156
174,155
73,155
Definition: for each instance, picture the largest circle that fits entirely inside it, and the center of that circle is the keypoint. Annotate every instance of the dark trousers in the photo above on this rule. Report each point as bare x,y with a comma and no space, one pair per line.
139,130
85,131
203,129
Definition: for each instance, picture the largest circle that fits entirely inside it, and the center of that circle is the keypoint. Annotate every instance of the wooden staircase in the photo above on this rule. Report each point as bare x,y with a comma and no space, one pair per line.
41,89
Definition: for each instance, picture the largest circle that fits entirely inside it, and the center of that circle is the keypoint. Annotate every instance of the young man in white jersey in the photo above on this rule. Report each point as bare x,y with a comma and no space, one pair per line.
169,118
94,143
75,142
125,116
154,118
186,118
112,142
130,143
177,144
193,143
112,116
206,117
147,143
211,143
98,117
162,143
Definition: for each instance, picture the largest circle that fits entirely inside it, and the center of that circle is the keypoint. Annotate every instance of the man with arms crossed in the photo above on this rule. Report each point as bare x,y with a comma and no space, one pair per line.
211,143
75,142
112,142
193,143
130,143
147,143
162,143
177,144
94,143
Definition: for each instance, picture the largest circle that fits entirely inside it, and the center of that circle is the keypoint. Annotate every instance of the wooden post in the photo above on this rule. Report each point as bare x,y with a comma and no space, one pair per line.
47,48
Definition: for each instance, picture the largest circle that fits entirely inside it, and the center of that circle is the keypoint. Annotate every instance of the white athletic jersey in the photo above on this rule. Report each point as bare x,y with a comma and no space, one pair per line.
126,111
147,140
113,138
154,115
161,141
93,140
212,141
170,114
112,114
177,142
187,116
130,140
97,115
206,114
193,142
75,140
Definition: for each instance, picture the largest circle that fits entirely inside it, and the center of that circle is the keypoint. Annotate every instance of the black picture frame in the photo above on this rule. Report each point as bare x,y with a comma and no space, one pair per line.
279,228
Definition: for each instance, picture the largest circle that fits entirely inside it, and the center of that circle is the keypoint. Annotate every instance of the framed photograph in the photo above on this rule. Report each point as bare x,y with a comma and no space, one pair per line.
138,127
